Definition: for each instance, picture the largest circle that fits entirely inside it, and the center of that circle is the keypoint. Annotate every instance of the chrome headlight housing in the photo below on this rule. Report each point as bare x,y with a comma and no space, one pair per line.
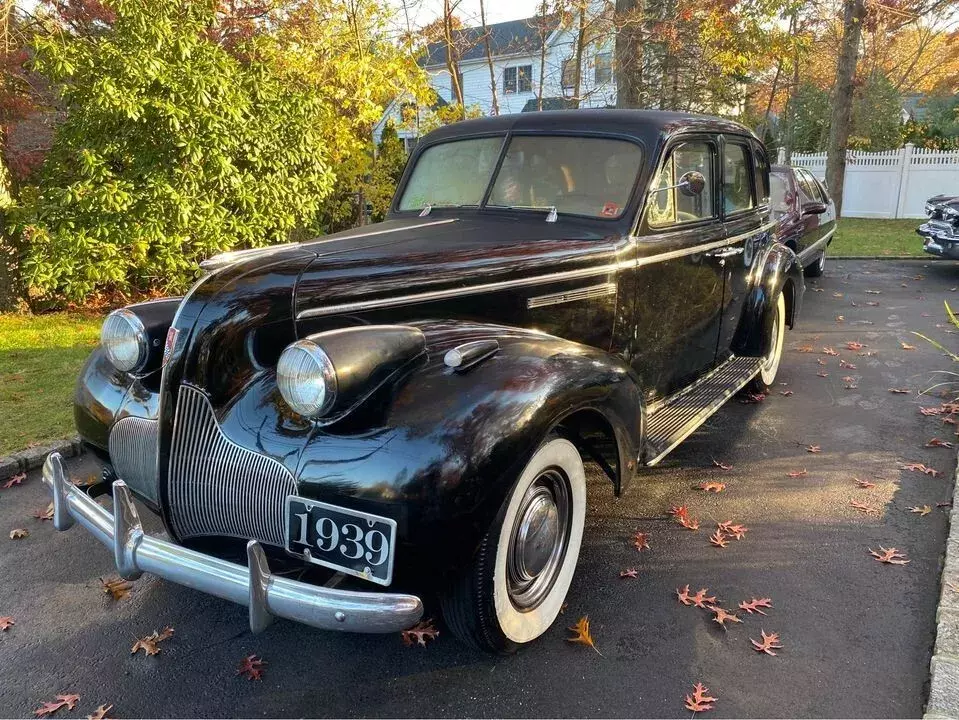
125,341
950,212
306,379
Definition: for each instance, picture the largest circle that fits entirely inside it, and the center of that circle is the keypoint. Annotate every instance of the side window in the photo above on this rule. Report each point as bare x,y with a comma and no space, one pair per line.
816,191
737,186
806,191
761,167
666,204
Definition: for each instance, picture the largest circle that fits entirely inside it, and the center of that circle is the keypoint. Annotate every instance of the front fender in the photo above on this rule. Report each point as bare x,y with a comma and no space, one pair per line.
443,448
777,270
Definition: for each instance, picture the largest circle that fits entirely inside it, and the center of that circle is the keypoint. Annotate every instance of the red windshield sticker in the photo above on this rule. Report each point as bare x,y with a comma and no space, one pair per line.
610,209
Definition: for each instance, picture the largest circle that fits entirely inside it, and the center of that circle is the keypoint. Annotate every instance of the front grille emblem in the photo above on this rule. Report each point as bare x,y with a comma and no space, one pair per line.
171,336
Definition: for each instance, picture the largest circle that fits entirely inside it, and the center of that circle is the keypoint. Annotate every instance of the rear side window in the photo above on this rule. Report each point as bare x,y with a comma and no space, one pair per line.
666,204
737,187
781,196
817,193
762,175
808,190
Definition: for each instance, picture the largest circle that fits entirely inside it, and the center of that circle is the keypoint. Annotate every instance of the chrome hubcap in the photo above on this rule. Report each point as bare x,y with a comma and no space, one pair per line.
539,539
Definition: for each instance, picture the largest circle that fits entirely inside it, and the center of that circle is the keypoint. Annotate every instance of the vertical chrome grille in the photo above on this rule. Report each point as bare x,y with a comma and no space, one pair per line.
133,452
217,487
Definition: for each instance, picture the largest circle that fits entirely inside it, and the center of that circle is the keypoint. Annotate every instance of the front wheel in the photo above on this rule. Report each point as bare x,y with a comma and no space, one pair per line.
770,367
515,587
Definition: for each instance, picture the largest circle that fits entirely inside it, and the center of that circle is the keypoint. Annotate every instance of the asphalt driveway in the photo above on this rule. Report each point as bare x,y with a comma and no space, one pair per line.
856,634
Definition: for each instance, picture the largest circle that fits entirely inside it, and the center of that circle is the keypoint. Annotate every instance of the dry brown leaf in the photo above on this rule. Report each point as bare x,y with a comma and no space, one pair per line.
837,295
907,346
100,713
44,513
6,622
891,556
116,587
854,345
840,318
720,465
874,292
251,667
813,449
805,349
19,533
641,540
714,487
718,539
687,522
420,633
150,645
863,508
930,410
900,391
864,483
846,365
920,510
755,605
700,700
821,363
919,467
679,511
797,473
14,480
752,398
770,642
722,616
700,599
63,701
830,351
822,374
629,573
582,634
936,442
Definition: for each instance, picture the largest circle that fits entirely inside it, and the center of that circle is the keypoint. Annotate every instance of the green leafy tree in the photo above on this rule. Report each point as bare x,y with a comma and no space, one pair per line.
876,116
810,119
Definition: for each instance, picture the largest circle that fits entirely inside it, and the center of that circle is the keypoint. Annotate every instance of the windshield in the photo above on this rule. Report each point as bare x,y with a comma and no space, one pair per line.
588,176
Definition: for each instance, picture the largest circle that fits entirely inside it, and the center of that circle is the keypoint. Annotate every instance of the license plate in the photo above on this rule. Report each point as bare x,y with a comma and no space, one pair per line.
353,542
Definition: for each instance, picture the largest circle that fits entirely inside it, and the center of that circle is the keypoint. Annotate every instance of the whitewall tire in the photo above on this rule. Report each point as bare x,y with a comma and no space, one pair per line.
770,365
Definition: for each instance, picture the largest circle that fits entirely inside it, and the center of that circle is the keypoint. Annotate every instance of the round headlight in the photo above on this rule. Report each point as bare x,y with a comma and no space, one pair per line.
124,340
306,379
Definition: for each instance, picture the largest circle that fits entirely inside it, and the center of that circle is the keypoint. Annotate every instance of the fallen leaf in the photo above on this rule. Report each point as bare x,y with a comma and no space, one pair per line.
730,528
6,623
722,616
718,539
116,587
251,667
873,292
755,605
891,556
44,513
864,483
872,303
822,374
785,393
582,634
919,467
840,318
14,480
770,642
687,522
419,634
63,701
752,398
700,700
150,645
944,504
100,713
813,449
829,351
820,362
837,294
18,533
907,346
629,573
936,442
863,508
700,599
721,466
797,473
854,345
846,365
641,540
805,349
921,510
714,487
929,411
679,511
900,391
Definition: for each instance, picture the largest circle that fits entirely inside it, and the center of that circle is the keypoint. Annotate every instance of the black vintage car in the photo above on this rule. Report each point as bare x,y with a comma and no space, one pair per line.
806,215
940,233
407,407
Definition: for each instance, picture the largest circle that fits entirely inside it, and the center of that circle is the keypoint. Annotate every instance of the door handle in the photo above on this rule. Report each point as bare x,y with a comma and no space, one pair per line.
725,252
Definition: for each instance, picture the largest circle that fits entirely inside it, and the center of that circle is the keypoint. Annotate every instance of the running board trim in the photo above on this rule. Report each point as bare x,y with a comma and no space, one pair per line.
676,418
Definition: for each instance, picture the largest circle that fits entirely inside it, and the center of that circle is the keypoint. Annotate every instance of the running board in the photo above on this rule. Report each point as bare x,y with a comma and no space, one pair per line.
675,419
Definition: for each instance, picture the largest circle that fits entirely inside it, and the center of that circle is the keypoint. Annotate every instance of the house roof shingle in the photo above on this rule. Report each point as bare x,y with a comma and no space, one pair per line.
506,38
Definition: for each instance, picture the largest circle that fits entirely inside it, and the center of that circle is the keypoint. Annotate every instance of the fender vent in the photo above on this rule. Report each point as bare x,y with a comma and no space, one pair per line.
216,487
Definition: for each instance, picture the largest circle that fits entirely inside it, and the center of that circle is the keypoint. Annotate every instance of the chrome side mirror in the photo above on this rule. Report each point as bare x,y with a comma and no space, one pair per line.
692,183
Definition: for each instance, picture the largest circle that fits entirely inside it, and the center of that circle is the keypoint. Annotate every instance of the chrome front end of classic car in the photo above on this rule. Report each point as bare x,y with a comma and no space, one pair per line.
266,595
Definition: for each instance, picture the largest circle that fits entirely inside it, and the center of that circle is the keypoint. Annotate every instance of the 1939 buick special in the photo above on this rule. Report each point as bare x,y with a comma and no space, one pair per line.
403,410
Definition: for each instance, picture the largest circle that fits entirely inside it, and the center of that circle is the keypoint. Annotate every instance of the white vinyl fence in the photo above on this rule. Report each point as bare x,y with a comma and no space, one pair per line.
890,184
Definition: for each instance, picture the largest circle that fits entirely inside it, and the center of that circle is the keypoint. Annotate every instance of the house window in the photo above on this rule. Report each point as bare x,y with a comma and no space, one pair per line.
603,68
569,73
518,79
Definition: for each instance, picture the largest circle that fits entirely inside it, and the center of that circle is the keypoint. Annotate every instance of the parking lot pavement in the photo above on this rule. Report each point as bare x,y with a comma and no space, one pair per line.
856,634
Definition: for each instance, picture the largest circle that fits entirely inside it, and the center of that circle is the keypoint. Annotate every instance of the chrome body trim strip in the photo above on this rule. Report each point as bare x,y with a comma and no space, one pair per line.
584,293
265,594
432,295
804,255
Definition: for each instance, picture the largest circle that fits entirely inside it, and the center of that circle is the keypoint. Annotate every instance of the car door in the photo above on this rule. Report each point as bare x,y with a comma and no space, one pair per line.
811,231
827,220
668,320
744,167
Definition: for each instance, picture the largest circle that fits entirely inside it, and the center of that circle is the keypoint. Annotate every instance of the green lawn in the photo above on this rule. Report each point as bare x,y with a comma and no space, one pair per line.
40,358
857,237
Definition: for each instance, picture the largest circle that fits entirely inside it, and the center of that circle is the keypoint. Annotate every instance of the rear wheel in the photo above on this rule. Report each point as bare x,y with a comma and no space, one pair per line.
519,577
815,270
767,372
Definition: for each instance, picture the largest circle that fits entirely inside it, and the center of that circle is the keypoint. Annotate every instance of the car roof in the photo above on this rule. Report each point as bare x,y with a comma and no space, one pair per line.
643,125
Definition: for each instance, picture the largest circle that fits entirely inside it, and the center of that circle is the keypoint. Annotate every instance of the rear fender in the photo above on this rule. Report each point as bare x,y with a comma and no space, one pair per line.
777,271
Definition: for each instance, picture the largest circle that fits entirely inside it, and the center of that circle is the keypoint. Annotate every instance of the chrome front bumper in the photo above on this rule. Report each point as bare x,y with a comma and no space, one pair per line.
266,595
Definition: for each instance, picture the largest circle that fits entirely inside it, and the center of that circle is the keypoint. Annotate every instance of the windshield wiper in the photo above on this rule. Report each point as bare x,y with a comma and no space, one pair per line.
550,210
427,209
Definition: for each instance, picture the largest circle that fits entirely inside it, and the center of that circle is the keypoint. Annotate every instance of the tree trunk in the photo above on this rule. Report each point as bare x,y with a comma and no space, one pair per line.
790,132
629,53
452,58
494,110
580,49
543,32
853,13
